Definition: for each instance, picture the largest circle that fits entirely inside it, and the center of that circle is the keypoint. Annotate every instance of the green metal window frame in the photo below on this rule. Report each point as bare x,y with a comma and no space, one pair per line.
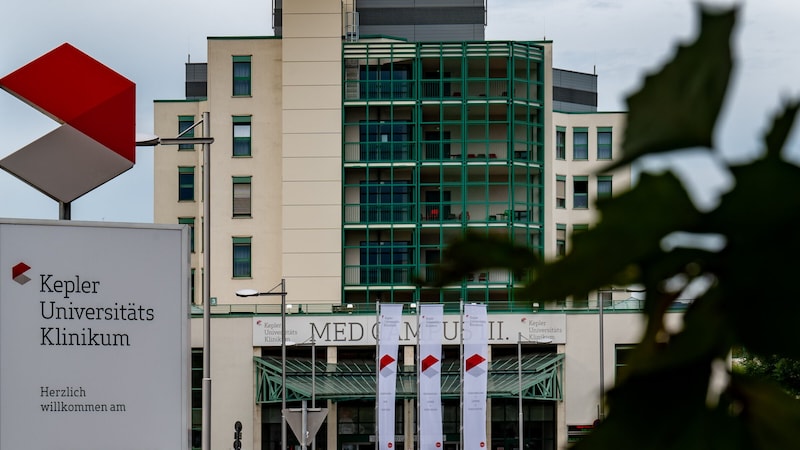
184,122
189,221
242,196
604,187
242,136
242,76
580,150
186,184
561,143
456,146
604,141
242,257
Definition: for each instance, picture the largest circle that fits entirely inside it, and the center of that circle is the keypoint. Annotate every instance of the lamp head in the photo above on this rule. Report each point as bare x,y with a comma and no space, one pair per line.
246,293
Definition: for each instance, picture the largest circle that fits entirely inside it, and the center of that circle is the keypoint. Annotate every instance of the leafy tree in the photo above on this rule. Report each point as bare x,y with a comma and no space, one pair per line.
663,401
785,372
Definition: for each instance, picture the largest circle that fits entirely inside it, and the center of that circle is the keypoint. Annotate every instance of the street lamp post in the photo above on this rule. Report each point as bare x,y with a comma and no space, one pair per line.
206,140
282,293
520,423
313,381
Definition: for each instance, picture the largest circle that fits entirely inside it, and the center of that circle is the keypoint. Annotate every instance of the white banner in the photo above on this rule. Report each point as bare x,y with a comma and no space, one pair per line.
475,368
389,339
430,377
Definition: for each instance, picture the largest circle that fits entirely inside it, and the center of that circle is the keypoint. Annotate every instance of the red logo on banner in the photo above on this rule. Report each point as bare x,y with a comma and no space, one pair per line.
389,444
428,362
483,444
385,361
474,361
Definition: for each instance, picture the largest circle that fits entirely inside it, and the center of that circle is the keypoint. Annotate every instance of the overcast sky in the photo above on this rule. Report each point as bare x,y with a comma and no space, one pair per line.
148,41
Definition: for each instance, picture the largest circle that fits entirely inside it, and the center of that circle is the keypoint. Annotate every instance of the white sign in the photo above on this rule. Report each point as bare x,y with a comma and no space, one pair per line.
352,329
93,335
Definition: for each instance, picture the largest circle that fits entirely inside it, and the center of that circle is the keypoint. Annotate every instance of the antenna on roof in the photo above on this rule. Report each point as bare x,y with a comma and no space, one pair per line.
189,58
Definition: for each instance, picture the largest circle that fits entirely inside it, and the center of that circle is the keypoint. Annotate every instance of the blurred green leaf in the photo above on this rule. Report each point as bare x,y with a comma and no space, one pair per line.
665,410
781,127
770,416
678,106
476,251
759,218
627,235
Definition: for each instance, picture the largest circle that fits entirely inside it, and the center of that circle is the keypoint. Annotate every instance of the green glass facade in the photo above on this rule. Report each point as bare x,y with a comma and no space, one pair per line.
438,139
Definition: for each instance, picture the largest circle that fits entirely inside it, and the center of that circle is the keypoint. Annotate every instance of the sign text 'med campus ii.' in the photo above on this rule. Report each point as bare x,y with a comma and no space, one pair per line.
93,335
346,329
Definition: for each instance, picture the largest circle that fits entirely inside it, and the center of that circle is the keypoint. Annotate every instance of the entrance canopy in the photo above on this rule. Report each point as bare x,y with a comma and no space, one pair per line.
348,380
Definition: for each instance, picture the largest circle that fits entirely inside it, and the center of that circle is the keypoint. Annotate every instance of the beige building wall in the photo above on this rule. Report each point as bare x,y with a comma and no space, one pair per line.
311,140
167,161
592,168
264,166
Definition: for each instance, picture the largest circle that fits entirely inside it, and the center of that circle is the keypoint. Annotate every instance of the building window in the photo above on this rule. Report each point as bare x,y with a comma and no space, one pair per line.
604,143
561,239
242,192
242,257
622,355
197,397
580,192
386,202
579,228
184,123
386,262
603,187
241,75
580,144
186,184
561,191
192,285
188,221
388,81
242,136
386,141
561,143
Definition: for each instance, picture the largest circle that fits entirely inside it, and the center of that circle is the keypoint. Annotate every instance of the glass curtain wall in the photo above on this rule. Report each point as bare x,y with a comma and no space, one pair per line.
438,140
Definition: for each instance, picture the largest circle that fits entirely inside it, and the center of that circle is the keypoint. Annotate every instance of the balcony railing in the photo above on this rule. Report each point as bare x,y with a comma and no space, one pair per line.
395,274
391,213
379,151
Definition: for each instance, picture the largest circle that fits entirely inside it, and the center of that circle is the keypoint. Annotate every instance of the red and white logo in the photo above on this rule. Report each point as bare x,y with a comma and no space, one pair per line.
18,273
97,111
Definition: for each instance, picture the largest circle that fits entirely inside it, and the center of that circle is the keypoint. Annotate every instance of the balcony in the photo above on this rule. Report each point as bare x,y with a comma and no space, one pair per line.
376,214
365,152
379,275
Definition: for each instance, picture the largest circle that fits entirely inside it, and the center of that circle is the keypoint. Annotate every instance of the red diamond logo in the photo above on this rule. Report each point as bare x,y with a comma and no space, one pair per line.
474,361
18,273
386,360
429,361
97,109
